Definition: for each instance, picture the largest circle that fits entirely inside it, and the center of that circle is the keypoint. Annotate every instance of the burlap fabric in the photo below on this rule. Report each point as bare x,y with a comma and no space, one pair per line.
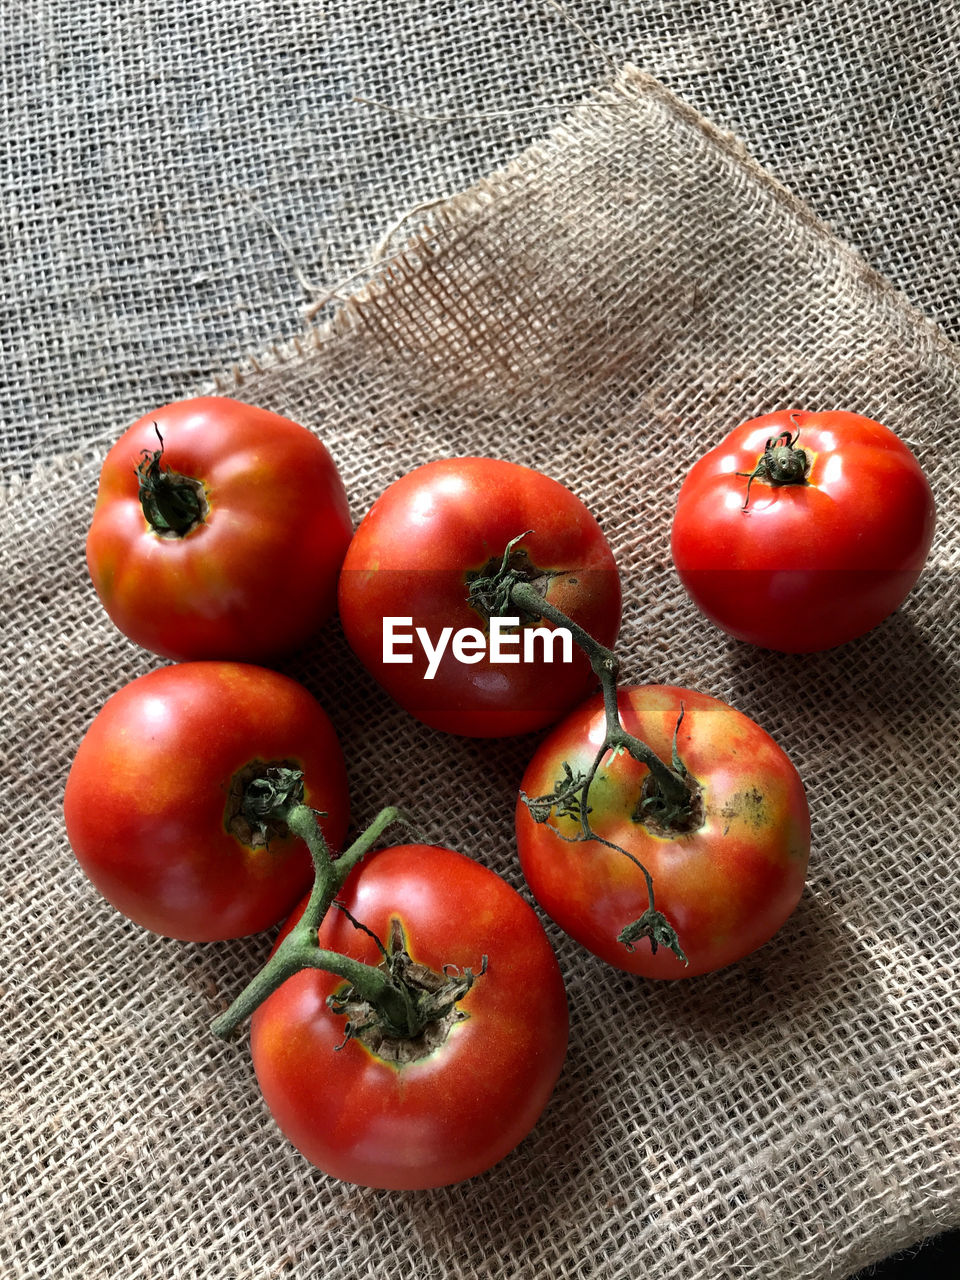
603,309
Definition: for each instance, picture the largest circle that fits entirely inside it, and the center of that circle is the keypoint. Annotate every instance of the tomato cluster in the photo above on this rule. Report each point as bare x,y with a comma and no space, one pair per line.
659,827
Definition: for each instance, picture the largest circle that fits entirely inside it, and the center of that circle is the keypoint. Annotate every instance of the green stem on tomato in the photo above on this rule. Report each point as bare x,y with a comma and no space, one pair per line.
672,801
395,1004
782,463
672,784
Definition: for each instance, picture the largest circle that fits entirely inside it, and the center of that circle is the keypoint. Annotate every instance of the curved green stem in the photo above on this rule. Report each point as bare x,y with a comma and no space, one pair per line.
371,834
673,801
300,948
604,661
671,782
283,964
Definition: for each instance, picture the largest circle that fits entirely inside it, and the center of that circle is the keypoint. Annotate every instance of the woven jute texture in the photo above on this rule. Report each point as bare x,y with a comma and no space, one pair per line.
603,309
171,171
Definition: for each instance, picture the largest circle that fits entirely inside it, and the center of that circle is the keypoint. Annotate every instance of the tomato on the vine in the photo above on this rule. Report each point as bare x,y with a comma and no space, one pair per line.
156,802
408,574
393,1113
801,531
218,532
726,878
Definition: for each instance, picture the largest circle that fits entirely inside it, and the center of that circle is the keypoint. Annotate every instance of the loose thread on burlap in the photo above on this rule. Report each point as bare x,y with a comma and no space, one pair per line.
414,115
325,294
304,281
379,254
568,17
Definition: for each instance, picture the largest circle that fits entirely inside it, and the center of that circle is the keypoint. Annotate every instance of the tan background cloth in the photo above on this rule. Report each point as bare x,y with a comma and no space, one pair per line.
603,309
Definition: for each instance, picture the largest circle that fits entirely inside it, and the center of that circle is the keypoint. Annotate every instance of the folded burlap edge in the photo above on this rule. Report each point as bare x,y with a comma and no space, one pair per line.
618,93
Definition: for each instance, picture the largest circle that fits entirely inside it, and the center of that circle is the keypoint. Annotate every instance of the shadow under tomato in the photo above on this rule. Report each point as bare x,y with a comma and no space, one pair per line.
900,670
793,974
541,1180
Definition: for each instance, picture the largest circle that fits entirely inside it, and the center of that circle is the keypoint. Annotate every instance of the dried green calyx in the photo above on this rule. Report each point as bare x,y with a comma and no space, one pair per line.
782,464
260,796
172,504
431,1001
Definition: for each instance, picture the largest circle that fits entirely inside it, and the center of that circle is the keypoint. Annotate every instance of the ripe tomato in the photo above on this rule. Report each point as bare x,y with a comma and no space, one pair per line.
475,1086
263,527
152,799
815,561
414,557
725,885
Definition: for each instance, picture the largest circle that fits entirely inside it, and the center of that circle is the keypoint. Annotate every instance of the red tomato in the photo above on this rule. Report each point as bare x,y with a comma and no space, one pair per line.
151,799
414,556
266,523
362,1116
803,566
726,885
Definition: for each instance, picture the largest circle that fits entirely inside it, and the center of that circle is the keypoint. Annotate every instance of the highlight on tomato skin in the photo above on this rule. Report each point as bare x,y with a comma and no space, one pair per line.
802,531
153,801
416,556
218,532
455,1107
726,884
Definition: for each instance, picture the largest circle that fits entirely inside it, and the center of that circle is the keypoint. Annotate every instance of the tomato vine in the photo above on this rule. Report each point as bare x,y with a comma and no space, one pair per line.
671,798
402,1008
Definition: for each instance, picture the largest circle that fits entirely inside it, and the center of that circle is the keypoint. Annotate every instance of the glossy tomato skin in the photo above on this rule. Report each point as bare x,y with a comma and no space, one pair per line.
450,1115
148,808
412,557
258,576
726,886
804,567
